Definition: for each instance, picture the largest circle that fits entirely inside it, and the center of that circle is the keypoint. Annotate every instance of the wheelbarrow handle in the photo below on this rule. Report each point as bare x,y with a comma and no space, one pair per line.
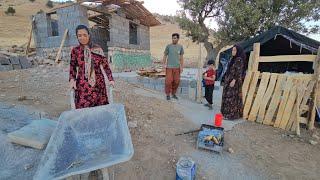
72,102
110,94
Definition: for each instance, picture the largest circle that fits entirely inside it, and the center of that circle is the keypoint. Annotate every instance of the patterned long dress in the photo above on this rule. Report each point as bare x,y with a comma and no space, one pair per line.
232,104
87,95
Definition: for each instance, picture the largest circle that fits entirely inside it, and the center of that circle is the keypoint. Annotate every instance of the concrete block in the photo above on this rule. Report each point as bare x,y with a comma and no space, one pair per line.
14,60
159,87
146,80
192,93
185,90
184,83
16,66
149,86
6,68
4,60
25,63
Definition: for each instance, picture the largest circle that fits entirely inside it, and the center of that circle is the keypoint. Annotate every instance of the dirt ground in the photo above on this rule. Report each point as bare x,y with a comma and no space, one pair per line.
260,152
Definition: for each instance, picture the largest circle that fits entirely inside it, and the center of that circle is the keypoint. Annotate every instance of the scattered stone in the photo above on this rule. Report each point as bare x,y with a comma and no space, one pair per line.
230,150
291,135
132,124
28,166
316,136
2,95
312,142
22,98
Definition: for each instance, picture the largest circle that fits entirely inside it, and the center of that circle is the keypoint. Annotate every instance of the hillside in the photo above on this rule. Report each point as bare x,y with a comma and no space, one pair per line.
14,30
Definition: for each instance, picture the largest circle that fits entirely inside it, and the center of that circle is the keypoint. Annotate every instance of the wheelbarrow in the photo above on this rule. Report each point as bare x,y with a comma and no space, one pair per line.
87,140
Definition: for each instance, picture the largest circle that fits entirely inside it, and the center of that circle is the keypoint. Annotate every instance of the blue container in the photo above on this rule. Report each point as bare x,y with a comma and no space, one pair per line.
186,169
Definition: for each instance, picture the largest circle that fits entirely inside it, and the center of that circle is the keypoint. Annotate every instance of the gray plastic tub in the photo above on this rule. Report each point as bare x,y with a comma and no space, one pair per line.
86,140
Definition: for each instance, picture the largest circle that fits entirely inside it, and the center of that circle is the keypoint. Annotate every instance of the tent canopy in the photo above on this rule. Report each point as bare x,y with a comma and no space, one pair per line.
276,41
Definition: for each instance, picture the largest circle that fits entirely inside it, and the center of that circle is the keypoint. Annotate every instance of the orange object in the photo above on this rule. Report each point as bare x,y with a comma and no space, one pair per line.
218,120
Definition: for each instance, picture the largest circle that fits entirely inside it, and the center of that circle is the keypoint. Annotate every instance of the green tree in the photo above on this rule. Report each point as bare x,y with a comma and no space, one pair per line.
49,4
192,21
10,11
242,19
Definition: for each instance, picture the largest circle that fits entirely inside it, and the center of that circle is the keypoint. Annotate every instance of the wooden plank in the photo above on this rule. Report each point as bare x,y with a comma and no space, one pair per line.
256,53
245,85
288,58
267,97
250,61
301,87
276,97
252,89
29,41
307,94
297,122
303,120
316,91
199,83
61,45
259,97
283,101
289,107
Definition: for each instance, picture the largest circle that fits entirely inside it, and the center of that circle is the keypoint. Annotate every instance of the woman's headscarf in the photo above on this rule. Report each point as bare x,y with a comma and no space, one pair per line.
89,64
240,54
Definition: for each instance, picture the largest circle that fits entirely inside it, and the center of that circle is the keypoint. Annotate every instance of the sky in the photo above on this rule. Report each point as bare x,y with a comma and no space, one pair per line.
170,7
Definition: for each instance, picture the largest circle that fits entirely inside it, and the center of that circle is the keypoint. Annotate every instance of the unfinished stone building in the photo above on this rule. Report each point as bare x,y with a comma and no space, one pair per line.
120,27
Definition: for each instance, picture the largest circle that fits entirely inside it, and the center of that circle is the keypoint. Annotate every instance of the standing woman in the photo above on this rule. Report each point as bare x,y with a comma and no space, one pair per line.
232,105
86,75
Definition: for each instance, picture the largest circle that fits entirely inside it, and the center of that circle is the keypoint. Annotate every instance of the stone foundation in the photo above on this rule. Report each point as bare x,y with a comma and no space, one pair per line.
51,53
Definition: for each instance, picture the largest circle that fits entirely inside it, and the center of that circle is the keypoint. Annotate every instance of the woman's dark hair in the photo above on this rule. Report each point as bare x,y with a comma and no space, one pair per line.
82,27
176,34
240,52
210,62
79,27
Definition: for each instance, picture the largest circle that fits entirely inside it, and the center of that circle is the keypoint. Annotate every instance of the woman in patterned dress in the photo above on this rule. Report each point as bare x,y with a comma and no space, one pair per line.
86,72
232,105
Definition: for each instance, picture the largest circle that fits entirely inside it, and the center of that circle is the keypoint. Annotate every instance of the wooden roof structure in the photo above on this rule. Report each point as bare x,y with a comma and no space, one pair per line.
132,8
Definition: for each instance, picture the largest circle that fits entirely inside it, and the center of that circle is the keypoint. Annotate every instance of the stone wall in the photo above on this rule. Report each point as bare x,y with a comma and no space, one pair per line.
51,53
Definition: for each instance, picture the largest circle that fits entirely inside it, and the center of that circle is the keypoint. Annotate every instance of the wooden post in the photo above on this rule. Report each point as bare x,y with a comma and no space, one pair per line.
316,79
29,41
61,45
250,61
199,80
256,55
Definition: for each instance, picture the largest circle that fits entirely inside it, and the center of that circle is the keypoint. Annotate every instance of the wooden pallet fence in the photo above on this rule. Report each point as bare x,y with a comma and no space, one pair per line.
272,98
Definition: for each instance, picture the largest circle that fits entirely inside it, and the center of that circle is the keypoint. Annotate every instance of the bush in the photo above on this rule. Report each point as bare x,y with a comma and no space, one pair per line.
10,11
32,0
49,4
40,11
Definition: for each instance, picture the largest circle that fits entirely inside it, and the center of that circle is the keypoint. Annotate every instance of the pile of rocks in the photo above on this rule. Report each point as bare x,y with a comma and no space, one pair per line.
12,61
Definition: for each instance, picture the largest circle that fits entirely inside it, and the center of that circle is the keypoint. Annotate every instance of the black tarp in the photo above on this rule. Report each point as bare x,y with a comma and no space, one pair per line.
276,41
